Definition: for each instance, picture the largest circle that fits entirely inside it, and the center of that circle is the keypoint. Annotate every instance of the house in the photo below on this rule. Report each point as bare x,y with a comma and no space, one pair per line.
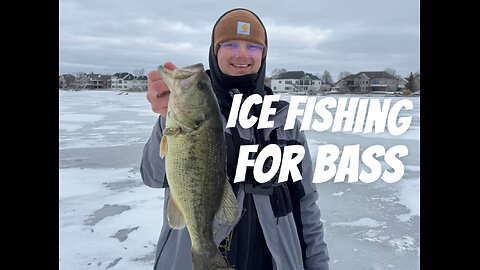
295,81
65,80
140,83
127,81
119,80
366,81
401,82
98,81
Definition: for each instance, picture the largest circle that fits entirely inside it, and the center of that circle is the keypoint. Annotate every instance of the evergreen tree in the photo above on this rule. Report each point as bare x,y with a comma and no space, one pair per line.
410,85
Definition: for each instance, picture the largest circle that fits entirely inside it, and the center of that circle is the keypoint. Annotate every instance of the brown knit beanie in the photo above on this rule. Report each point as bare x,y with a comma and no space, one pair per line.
239,24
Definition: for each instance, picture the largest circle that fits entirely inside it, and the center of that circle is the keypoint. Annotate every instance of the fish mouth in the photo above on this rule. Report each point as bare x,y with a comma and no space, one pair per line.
165,70
179,79
193,68
182,73
169,76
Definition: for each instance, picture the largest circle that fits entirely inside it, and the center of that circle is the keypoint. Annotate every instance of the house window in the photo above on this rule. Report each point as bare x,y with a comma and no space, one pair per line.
274,88
279,81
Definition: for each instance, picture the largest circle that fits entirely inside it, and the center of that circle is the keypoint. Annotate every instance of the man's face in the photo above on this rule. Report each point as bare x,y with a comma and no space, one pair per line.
238,57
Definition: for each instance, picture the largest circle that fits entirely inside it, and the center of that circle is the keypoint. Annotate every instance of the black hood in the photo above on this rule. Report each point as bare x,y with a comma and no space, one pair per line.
223,83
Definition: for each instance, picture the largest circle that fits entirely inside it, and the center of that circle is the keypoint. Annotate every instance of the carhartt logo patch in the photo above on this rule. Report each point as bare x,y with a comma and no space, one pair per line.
243,28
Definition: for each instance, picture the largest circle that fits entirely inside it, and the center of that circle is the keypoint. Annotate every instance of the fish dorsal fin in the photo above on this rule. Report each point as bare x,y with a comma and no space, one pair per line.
227,213
175,215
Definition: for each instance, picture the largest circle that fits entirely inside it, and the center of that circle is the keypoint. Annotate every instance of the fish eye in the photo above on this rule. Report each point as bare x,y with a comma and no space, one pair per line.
202,85
198,122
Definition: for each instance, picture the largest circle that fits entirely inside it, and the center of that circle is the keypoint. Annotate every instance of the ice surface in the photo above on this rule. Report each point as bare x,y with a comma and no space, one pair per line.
110,220
363,222
376,225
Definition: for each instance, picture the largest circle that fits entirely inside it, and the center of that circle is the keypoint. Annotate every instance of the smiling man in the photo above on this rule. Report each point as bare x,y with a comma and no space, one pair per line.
238,57
280,226
239,43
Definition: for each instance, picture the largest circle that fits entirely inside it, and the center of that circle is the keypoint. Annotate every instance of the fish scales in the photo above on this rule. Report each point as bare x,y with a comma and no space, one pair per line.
193,144
197,178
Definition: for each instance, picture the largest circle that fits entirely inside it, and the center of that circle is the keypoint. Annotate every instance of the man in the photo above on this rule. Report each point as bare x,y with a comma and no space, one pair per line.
280,227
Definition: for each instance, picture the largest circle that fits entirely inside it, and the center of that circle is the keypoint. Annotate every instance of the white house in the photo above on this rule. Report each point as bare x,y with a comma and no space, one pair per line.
126,81
295,81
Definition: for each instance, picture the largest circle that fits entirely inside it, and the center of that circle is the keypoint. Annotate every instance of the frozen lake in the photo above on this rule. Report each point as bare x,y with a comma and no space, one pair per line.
110,220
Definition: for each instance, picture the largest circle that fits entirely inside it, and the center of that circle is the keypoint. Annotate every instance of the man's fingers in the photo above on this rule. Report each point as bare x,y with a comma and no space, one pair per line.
170,65
153,76
159,87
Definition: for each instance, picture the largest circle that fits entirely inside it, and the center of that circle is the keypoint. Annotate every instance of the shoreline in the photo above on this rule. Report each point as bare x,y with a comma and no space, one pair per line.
367,94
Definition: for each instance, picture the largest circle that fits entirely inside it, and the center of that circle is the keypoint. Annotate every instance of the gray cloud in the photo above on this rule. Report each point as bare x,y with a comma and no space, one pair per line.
336,35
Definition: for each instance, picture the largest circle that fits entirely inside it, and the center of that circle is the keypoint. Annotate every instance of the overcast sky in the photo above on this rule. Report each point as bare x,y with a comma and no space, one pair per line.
108,36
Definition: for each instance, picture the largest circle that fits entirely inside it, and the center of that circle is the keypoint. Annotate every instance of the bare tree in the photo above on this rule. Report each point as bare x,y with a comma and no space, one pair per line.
81,80
327,78
391,71
80,74
139,72
343,74
278,71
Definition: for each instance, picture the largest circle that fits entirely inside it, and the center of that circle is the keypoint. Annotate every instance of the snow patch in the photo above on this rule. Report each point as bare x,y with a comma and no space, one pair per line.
364,222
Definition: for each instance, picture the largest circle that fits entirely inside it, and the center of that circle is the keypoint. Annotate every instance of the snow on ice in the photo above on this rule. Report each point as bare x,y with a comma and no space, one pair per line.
110,220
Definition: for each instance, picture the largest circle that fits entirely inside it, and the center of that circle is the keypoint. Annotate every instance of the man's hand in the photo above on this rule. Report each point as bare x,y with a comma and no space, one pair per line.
158,92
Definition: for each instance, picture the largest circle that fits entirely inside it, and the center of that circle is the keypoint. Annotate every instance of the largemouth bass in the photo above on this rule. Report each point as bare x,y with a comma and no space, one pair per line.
193,144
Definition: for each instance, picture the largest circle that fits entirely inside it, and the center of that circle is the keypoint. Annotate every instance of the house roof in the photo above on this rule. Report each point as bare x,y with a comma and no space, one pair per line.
129,77
123,75
377,74
97,77
370,75
295,75
352,76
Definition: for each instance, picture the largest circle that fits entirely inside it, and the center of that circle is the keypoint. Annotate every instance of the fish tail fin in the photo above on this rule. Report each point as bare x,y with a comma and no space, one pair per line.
211,260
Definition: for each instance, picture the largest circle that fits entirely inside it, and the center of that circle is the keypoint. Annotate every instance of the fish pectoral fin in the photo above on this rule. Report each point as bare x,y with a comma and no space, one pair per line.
163,146
175,215
227,213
